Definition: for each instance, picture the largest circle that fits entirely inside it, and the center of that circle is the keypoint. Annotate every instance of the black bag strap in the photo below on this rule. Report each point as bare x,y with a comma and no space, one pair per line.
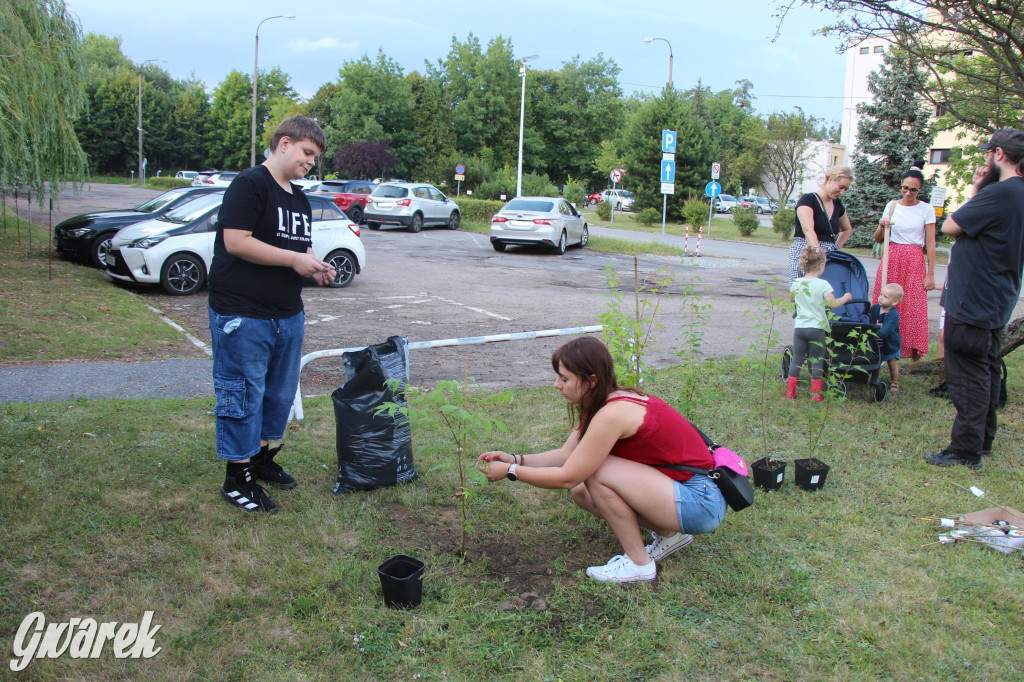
712,446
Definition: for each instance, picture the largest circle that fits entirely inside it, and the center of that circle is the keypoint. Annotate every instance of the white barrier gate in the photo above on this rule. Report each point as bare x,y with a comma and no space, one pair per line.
297,413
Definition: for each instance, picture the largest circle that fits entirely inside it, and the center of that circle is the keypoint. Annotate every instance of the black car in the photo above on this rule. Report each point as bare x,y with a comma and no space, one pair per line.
87,237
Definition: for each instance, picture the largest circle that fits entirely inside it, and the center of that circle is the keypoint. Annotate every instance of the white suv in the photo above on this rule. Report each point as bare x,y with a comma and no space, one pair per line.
621,199
412,205
176,249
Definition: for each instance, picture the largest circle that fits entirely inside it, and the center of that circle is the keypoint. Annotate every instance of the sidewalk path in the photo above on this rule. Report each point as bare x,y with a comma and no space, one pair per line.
170,378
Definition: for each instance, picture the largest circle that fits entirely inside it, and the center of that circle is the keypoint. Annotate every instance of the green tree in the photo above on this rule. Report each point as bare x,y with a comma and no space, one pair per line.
786,150
642,141
432,127
892,134
373,101
230,121
570,112
41,93
482,89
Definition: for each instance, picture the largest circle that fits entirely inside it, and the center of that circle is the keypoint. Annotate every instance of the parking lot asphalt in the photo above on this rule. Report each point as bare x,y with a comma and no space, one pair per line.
438,284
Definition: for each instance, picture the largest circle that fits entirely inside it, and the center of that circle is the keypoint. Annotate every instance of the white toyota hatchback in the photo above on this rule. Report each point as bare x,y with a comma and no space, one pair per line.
176,249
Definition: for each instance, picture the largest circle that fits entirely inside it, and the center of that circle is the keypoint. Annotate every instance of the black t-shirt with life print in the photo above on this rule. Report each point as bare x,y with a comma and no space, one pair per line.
254,202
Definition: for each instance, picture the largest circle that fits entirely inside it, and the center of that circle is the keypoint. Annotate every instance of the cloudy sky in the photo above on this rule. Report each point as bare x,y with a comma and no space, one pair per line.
718,42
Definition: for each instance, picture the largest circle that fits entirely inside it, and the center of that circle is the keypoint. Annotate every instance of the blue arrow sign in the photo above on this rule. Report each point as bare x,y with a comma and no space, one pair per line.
668,171
668,141
712,189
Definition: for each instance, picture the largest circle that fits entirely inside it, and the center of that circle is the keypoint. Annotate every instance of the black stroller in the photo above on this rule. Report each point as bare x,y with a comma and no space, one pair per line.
855,351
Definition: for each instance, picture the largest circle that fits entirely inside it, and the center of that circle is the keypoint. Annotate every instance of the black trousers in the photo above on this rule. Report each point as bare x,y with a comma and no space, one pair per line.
973,378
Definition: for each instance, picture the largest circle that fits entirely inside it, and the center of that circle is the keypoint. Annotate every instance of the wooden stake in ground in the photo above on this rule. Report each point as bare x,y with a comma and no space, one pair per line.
885,248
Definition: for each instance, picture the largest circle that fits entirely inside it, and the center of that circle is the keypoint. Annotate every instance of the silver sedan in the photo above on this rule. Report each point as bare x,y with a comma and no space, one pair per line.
547,221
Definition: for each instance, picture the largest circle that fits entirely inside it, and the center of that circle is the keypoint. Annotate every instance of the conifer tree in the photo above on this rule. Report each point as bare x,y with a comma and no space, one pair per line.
894,132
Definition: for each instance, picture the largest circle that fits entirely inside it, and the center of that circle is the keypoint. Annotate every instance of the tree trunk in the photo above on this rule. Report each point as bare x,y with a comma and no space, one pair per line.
1013,337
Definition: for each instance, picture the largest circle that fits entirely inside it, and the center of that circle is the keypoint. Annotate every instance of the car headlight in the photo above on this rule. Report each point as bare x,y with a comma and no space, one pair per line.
78,232
147,242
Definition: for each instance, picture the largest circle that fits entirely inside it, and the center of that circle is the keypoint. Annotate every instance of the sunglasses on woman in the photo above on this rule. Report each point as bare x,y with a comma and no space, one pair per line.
912,190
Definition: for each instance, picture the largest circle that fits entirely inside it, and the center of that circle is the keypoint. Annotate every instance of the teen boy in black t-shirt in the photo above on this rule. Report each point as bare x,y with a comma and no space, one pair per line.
262,252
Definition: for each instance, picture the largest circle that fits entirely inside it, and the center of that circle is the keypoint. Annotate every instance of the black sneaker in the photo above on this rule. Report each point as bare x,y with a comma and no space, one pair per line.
948,459
941,391
241,491
264,468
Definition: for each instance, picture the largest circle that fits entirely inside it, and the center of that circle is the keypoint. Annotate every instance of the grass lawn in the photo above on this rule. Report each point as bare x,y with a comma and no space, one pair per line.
111,509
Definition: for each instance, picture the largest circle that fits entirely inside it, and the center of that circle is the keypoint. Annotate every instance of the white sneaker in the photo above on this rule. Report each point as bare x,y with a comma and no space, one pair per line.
621,569
663,546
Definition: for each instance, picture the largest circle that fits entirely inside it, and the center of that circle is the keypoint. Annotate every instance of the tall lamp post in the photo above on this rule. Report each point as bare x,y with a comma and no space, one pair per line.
142,171
651,40
522,116
255,77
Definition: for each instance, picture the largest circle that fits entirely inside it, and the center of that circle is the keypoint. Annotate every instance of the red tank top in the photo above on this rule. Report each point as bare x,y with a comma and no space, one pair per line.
665,437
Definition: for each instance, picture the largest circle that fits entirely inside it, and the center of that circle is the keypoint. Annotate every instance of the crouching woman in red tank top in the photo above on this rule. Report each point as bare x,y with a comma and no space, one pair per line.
610,464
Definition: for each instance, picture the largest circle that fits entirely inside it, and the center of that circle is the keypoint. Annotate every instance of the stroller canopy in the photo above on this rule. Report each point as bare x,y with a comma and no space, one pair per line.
846,273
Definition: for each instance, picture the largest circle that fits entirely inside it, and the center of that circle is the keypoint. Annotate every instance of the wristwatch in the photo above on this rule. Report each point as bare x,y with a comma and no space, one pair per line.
511,475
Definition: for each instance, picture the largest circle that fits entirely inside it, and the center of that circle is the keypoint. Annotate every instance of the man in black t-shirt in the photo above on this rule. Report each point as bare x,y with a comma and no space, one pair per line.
262,253
982,286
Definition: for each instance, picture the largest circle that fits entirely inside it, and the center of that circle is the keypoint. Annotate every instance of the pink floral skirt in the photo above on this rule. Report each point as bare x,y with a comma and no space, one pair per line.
907,268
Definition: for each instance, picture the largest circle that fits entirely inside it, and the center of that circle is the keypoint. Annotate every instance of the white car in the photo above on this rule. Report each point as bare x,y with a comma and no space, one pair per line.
621,199
545,221
185,175
214,178
412,205
176,249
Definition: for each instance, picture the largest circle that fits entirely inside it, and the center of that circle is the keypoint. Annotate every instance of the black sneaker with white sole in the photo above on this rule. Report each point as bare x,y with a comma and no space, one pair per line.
264,468
241,491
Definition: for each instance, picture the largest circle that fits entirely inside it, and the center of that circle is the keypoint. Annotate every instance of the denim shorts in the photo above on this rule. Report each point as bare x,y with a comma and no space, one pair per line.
699,505
255,377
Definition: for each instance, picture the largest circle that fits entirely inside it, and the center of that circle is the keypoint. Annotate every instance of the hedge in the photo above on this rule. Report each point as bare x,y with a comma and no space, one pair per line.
479,210
167,183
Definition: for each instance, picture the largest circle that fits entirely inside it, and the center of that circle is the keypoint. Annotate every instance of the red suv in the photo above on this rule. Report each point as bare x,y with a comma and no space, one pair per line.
349,195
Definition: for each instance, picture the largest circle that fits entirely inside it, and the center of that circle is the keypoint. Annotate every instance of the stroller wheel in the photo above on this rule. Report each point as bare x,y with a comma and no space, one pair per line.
878,392
840,388
787,360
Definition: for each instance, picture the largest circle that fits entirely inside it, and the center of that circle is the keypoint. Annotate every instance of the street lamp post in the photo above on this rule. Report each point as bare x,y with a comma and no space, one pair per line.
255,77
142,171
522,117
651,40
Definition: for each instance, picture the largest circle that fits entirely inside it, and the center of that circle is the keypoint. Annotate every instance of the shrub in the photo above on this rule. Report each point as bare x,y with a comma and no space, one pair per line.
167,183
647,216
746,220
478,210
604,210
573,192
695,211
782,223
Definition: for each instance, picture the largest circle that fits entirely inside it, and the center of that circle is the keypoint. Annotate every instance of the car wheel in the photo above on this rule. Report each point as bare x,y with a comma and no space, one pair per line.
592,202
417,223
585,237
183,274
453,220
618,206
498,246
98,250
345,268
355,214
561,244
373,226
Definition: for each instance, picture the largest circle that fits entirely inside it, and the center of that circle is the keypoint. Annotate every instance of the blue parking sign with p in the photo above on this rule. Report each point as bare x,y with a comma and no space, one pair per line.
668,141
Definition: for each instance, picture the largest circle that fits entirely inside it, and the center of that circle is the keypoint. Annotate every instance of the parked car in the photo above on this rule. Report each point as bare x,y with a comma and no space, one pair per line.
200,177
724,203
176,249
775,206
185,175
548,221
349,195
308,184
221,179
412,205
621,199
87,237
791,204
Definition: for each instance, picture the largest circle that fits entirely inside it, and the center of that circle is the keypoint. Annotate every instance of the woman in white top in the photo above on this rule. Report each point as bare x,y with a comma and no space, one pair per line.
911,225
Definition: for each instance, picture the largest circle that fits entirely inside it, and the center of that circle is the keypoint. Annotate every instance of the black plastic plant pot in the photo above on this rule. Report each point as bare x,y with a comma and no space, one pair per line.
810,473
401,580
769,477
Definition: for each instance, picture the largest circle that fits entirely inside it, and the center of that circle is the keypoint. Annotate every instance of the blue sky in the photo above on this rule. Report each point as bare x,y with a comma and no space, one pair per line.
719,43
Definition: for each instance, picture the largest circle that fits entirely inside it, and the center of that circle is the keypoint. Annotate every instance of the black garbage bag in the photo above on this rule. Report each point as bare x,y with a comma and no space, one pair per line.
374,449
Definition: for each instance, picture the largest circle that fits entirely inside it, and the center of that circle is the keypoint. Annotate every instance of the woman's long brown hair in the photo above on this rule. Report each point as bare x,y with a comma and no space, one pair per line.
588,359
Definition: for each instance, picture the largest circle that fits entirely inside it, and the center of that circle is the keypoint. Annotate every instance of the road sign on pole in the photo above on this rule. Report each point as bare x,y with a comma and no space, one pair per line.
716,170
712,189
668,141
616,175
668,171
460,169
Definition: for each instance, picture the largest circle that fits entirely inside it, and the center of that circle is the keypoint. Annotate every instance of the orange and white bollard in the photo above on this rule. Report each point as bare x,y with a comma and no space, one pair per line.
700,232
686,240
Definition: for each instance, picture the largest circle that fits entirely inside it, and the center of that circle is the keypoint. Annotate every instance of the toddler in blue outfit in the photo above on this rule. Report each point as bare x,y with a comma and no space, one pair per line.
884,313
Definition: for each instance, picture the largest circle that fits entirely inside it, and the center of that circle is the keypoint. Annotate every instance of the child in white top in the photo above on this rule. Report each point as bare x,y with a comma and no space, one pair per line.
811,294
